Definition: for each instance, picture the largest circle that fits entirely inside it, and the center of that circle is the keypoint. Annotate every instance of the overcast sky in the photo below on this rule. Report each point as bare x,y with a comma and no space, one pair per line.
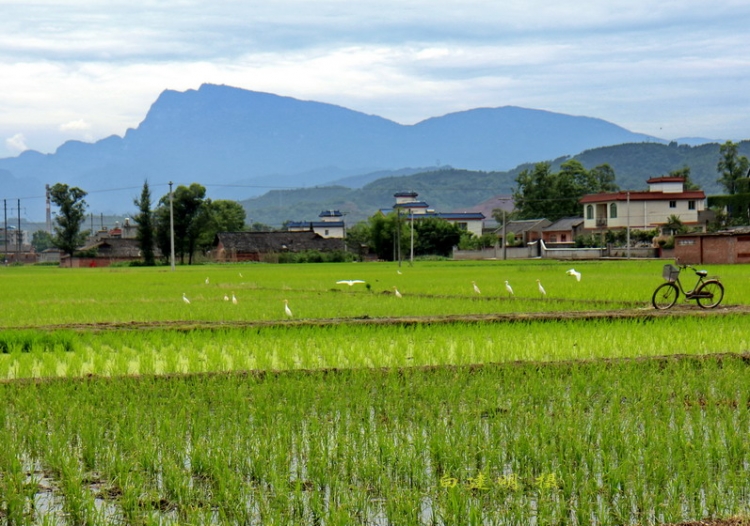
87,69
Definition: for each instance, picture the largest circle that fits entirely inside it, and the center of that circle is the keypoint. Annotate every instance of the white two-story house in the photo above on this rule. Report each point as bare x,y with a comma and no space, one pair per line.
643,210
412,209
330,225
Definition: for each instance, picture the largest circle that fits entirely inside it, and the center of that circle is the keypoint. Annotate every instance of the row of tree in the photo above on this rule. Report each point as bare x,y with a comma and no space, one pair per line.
543,193
194,218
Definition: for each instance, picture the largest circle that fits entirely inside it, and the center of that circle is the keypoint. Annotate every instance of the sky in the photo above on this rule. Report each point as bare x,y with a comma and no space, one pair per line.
88,69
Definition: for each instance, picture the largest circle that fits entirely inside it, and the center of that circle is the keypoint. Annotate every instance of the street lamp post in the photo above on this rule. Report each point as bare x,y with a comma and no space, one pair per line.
171,227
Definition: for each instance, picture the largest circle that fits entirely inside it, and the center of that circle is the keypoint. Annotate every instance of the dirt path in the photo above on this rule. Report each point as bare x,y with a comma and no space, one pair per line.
618,314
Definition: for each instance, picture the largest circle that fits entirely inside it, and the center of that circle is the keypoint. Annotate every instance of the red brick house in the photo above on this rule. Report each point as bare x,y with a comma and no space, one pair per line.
713,248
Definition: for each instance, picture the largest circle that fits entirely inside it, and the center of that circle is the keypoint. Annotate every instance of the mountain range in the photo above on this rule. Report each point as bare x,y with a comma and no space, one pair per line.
240,144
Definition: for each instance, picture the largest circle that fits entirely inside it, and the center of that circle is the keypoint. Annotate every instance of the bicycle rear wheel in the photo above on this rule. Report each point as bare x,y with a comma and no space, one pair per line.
710,294
665,296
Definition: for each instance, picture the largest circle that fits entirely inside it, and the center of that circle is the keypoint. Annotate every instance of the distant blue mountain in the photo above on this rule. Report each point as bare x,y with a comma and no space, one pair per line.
240,143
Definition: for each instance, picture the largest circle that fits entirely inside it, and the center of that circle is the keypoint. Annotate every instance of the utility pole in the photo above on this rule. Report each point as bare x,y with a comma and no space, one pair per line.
5,212
171,227
398,234
627,241
18,232
411,255
48,210
505,253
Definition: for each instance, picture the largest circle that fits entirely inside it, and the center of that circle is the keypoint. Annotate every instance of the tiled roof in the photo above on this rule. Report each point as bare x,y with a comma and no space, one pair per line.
566,224
266,242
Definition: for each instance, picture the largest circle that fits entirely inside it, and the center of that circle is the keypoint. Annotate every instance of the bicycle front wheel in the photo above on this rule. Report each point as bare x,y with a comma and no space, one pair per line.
665,296
710,294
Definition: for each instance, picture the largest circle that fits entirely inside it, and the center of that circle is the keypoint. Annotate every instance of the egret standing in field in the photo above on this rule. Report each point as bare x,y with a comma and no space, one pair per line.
287,310
541,289
234,299
572,272
509,289
226,298
476,289
207,280
185,299
396,292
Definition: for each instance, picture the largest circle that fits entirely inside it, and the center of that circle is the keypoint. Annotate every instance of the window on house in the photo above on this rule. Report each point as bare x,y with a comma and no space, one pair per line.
553,238
691,205
673,204
563,238
463,226
326,232
590,212
613,211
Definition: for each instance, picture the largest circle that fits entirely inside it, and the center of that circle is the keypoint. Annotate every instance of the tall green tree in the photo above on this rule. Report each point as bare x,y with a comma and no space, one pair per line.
221,216
41,240
145,231
358,237
384,233
435,236
684,172
190,216
70,200
733,169
542,193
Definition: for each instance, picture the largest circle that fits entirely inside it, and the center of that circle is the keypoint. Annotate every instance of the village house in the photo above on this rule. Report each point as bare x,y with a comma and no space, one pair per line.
644,210
330,225
266,246
410,209
563,231
524,231
717,248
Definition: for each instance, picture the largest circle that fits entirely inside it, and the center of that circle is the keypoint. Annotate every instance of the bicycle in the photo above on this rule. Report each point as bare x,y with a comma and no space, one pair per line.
708,292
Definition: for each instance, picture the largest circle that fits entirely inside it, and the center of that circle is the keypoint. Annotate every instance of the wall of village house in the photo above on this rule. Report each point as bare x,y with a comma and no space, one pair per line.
712,250
329,232
643,214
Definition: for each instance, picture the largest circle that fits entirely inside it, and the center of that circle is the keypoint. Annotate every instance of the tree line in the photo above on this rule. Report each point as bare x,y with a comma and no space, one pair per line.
541,192
196,220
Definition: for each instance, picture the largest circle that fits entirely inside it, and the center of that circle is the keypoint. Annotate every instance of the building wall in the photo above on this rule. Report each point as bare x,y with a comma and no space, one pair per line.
713,250
475,227
560,236
642,215
329,231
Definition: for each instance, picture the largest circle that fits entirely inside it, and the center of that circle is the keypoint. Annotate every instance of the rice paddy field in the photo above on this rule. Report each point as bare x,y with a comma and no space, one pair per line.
123,403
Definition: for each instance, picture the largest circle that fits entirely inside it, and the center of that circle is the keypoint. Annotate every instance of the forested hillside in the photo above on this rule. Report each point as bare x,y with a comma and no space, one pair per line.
451,189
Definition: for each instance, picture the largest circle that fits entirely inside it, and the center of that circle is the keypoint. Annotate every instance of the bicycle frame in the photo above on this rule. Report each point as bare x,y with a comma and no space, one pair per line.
707,292
692,293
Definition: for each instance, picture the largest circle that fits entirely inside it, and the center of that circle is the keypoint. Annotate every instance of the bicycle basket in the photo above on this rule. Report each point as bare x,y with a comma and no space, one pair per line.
670,272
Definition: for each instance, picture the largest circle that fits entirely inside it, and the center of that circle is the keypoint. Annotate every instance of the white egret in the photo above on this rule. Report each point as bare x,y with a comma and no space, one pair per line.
396,292
240,274
398,272
541,289
207,280
234,298
509,289
349,282
287,310
476,289
226,298
572,272
184,298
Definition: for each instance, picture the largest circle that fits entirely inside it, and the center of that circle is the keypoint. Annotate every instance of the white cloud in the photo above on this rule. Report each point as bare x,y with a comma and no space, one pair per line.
678,67
16,144
78,125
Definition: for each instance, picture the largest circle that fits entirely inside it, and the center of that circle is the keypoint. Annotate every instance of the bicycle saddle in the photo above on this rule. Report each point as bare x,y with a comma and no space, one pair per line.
702,273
